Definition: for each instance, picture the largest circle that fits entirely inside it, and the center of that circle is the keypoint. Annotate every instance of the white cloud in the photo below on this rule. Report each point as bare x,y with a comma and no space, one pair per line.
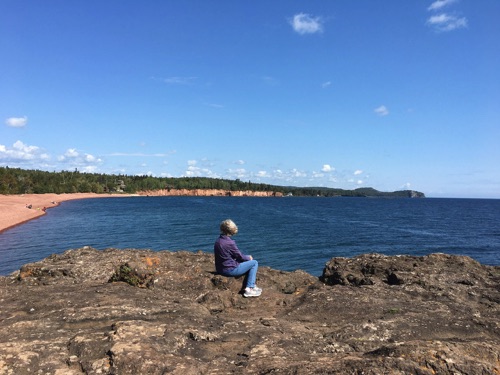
26,156
89,169
237,173
359,182
194,171
262,174
296,173
327,168
25,149
381,111
71,153
72,158
438,4
358,172
305,24
326,84
16,122
446,22
90,158
20,152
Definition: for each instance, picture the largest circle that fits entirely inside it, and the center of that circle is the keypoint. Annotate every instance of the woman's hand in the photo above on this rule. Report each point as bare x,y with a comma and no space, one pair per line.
251,257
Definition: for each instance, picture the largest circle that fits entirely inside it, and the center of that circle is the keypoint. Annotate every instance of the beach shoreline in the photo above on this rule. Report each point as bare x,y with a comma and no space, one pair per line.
17,209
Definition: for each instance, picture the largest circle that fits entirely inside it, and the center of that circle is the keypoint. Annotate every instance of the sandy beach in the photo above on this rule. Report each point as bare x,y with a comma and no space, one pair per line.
17,209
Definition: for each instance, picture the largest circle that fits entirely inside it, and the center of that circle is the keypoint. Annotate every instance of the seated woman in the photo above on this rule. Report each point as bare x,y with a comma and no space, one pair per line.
229,261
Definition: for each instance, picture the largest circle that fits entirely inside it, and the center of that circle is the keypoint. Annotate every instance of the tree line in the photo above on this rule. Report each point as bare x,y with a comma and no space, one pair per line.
23,181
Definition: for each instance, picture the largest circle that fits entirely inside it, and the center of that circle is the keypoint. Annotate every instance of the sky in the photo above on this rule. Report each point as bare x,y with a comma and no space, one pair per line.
388,94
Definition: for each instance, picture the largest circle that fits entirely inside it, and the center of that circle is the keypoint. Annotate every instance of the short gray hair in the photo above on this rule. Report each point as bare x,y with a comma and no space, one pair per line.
228,227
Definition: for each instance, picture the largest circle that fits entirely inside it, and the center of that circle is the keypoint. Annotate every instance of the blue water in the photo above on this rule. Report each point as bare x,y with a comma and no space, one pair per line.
283,233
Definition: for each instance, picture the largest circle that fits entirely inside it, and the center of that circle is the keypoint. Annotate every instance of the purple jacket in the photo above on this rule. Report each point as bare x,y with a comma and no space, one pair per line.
227,254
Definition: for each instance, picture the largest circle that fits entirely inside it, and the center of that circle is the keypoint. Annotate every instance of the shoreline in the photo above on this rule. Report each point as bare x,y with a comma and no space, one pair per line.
17,209
14,209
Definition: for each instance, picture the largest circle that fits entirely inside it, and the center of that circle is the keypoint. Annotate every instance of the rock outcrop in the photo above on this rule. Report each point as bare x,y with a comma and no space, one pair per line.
141,312
209,193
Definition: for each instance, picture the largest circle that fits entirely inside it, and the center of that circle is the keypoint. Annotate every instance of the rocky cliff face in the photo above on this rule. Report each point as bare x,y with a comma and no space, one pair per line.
141,312
210,193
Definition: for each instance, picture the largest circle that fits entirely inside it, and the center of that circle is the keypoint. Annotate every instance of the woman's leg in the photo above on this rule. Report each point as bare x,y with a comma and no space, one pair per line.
251,267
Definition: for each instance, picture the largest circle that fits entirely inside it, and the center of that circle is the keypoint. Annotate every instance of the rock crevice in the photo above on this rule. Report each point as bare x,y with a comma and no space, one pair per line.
141,312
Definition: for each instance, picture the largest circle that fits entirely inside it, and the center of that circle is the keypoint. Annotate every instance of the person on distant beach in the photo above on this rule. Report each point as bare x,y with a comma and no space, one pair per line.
229,261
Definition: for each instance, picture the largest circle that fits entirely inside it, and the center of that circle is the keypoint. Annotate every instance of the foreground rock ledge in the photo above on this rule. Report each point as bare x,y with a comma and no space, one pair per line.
142,312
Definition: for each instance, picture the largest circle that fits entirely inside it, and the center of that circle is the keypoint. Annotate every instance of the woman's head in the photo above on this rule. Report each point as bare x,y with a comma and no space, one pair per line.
228,227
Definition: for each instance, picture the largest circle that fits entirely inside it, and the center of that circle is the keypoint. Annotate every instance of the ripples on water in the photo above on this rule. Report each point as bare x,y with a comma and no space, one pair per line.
283,233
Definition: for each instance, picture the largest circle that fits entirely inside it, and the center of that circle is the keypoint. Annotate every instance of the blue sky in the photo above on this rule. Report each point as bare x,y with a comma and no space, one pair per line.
350,93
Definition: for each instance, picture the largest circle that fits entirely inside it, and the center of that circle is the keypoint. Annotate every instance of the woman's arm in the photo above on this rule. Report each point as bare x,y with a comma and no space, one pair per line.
237,254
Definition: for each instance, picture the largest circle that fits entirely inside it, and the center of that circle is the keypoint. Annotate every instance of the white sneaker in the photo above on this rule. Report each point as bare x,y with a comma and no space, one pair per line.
252,292
257,289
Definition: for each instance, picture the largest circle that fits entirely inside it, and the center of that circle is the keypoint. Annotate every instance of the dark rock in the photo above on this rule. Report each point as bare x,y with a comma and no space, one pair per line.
393,279
142,312
289,288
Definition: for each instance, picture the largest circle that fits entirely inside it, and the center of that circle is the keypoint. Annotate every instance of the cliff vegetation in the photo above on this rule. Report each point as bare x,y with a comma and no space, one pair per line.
21,181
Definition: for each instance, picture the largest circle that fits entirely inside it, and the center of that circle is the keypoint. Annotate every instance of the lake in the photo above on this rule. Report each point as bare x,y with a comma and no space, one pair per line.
284,233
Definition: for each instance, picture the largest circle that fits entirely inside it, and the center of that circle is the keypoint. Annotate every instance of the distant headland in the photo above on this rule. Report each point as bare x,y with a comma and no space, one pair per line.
22,181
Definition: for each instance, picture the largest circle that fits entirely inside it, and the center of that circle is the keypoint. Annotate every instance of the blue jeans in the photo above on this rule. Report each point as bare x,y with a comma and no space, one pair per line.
249,267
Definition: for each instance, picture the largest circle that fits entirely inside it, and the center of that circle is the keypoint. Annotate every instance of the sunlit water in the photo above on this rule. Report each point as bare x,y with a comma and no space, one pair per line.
283,233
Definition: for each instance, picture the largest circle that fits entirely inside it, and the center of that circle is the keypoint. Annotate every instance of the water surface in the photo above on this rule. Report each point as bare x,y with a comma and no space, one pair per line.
284,233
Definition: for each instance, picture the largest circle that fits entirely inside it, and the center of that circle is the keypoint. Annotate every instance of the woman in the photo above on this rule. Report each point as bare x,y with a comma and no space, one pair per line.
229,261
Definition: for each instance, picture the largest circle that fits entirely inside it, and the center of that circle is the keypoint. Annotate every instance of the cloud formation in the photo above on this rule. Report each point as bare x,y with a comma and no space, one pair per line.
447,22
16,122
194,171
438,4
444,21
381,111
74,159
20,153
327,168
303,23
29,156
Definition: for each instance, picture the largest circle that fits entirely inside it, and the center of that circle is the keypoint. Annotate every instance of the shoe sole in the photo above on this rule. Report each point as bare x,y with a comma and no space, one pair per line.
251,295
